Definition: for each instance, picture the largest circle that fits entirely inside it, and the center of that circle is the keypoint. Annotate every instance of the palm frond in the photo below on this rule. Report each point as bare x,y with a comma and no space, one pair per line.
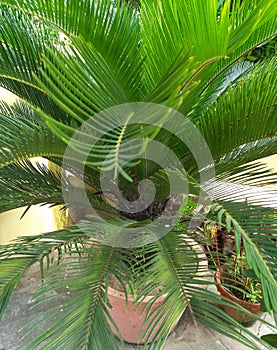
11,273
233,64
241,123
245,161
260,33
24,135
94,77
26,184
250,16
85,312
86,272
30,186
113,28
253,174
178,65
169,274
219,76
22,40
214,318
102,140
17,256
177,25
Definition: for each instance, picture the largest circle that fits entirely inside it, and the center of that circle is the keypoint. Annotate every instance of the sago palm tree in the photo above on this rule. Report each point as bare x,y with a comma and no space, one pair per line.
149,111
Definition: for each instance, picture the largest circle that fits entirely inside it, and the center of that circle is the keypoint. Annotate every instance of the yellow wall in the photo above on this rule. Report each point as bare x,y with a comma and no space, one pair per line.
37,220
271,162
7,96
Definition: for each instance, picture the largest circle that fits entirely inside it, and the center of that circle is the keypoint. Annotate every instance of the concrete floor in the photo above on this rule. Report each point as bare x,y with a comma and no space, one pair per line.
186,336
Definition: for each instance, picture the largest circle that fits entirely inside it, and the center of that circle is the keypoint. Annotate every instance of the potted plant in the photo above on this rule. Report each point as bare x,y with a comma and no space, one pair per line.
234,280
133,319
239,284
151,110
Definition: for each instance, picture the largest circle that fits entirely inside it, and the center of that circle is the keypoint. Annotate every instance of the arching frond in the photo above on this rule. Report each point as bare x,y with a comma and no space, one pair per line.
238,116
24,135
245,154
85,312
24,184
173,271
17,256
22,41
112,28
77,65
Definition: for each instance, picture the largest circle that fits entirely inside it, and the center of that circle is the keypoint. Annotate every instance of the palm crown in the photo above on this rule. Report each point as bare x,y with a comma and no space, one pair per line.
102,85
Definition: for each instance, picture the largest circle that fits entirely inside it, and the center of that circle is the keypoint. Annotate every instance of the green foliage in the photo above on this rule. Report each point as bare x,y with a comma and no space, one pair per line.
262,52
271,339
247,286
67,61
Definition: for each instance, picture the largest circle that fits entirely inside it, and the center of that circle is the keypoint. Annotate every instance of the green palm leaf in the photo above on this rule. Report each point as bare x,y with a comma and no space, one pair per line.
113,29
246,167
84,314
30,186
243,124
71,60
23,39
16,257
24,135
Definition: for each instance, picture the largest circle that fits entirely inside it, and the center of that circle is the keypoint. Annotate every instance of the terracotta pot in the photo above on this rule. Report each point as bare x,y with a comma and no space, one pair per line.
254,308
130,320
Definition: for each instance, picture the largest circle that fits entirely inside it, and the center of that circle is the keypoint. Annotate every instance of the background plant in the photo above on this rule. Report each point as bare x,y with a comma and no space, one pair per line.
247,286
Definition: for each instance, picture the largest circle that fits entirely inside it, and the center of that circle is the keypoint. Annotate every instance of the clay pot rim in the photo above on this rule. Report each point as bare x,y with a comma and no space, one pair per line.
131,298
219,287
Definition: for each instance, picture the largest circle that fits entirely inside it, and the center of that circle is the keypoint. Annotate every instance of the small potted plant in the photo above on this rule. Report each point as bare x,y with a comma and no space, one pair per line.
240,285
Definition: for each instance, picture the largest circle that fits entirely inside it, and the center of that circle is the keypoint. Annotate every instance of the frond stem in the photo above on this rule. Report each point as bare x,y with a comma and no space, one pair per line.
178,280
